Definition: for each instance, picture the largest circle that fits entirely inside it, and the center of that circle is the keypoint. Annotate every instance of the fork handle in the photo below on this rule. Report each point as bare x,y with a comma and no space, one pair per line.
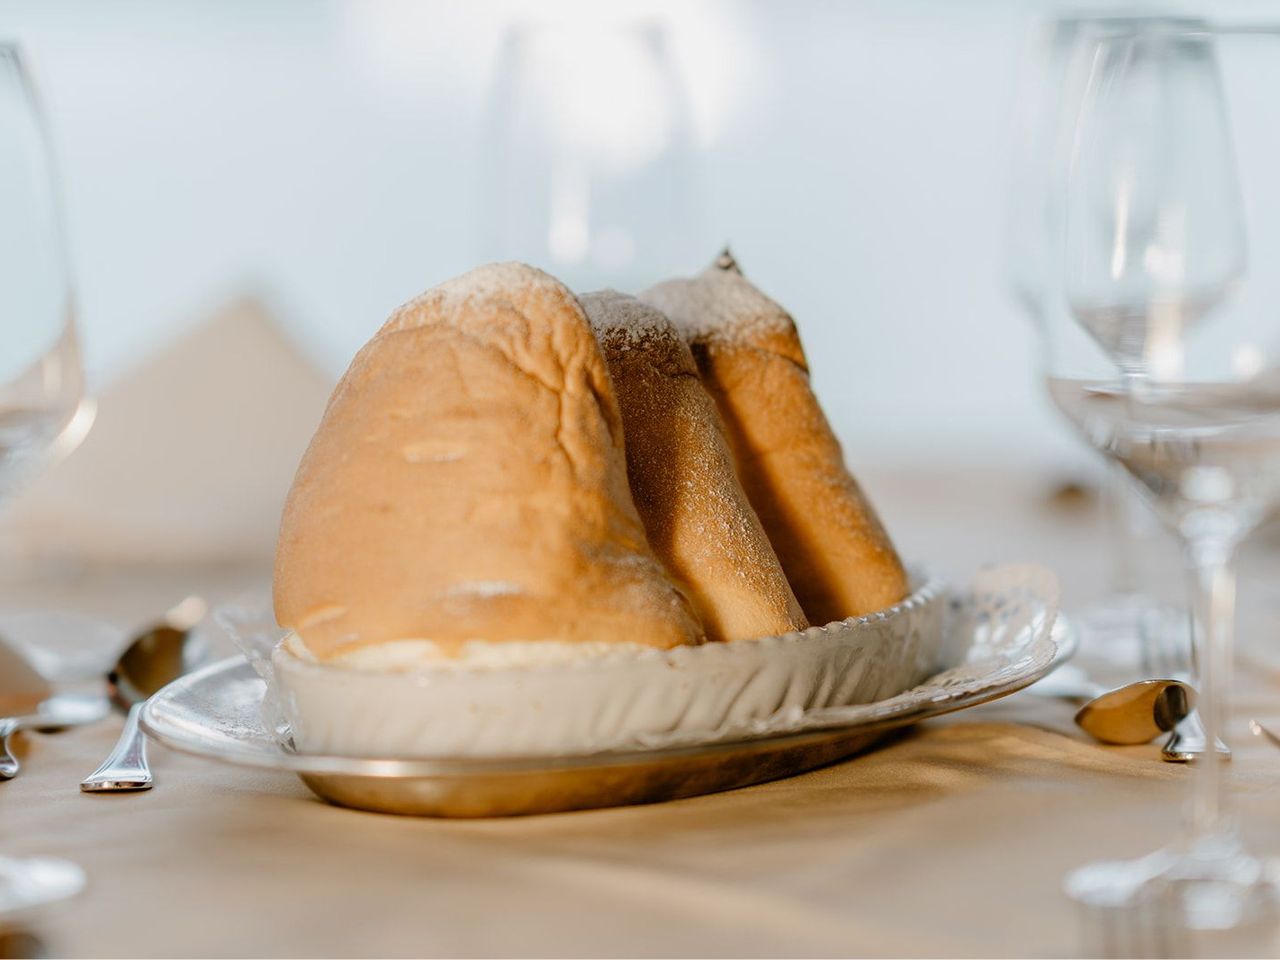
126,768
9,765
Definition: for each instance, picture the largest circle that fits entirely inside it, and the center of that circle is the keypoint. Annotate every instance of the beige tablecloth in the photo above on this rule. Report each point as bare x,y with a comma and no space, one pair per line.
951,840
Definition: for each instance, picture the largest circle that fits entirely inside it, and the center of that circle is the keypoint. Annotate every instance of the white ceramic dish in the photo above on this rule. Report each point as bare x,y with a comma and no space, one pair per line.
999,636
629,697
634,699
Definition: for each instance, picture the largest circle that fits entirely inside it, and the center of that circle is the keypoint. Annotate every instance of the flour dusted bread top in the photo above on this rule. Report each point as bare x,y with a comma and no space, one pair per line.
836,553
468,482
683,478
721,306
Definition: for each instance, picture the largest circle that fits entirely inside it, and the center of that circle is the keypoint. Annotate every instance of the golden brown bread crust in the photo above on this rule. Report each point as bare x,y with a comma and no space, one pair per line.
832,545
468,481
697,517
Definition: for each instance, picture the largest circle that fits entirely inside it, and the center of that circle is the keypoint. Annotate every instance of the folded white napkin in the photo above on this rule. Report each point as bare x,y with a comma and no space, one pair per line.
191,454
21,686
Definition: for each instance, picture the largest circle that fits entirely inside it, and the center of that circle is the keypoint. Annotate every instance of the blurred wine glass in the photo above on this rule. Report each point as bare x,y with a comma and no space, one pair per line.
1180,393
41,380
1053,81
590,154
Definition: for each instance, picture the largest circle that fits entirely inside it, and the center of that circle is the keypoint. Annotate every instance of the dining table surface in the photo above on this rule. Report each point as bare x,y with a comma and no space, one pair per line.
951,838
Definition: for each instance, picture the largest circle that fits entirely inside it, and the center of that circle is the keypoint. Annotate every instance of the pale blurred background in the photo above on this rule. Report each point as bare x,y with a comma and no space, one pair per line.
272,177
327,157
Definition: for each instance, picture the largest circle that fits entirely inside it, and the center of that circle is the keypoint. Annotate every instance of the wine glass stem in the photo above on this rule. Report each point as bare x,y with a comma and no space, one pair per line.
1117,499
1210,562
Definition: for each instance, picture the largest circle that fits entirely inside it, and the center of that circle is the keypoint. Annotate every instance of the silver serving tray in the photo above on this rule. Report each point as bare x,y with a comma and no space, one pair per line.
216,713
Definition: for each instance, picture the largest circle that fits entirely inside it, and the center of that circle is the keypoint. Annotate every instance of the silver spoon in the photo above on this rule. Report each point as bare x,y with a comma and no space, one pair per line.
51,715
1137,712
32,689
1132,714
156,657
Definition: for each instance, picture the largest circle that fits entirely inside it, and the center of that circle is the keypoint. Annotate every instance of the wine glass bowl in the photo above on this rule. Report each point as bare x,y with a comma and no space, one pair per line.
1154,228
1154,241
41,381
1058,65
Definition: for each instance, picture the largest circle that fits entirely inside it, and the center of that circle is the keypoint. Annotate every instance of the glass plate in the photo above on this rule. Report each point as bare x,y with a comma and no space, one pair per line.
1004,634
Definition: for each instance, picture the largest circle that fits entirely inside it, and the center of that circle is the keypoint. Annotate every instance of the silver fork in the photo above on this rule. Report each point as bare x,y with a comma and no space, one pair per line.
1167,652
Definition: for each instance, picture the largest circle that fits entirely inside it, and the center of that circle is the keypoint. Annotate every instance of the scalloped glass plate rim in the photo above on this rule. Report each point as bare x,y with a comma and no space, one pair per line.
1005,678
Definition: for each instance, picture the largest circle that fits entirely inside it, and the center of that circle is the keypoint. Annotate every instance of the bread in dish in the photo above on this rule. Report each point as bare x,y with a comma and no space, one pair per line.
468,484
836,554
697,517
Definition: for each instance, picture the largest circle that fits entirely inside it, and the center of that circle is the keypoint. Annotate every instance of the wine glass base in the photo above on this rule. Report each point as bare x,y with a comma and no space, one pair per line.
30,883
1213,899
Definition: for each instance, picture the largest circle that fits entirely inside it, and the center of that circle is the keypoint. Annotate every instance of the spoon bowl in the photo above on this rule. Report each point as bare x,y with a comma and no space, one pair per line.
64,710
155,658
51,715
1137,712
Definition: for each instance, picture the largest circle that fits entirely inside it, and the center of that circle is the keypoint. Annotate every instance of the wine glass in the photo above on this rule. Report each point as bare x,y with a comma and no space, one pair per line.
590,154
1151,369
41,379
1053,82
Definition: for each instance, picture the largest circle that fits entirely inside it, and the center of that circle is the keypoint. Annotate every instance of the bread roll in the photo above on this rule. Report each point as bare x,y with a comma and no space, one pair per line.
685,486
831,544
468,483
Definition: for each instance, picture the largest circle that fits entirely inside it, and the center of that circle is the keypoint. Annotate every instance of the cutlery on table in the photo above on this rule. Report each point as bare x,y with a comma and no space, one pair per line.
156,657
1136,712
1166,647
51,715
28,702
1132,714
24,691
